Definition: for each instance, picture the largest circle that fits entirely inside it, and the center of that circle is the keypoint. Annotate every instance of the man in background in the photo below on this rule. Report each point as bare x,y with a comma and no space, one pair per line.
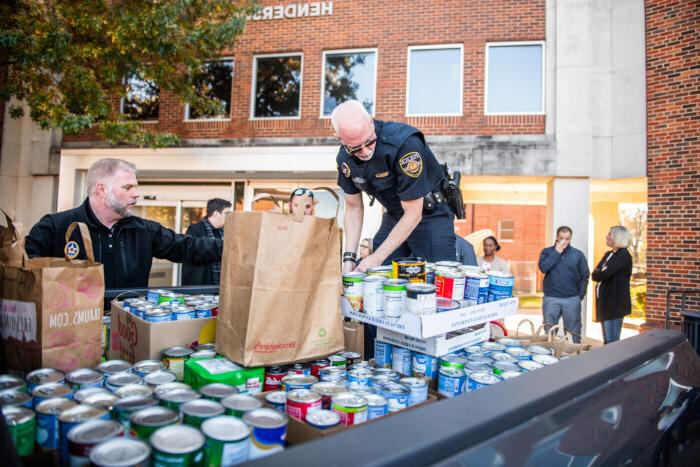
212,226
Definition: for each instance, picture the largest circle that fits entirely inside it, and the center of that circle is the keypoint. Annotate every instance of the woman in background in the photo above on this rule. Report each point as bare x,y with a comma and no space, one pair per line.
489,261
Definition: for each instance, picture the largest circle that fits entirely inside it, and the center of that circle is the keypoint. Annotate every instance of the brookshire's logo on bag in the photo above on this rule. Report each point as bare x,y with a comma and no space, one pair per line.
272,347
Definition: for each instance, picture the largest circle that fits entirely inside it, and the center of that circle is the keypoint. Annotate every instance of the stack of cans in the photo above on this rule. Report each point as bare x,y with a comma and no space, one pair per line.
162,305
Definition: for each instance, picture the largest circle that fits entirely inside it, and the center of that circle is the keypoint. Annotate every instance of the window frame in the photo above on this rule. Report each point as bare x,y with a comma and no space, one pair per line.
187,118
541,43
348,52
253,86
411,48
121,105
500,230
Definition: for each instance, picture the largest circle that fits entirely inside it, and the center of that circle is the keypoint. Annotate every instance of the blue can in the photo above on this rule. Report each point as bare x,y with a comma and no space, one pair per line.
268,432
85,378
182,313
424,366
401,360
479,358
430,273
74,416
16,398
519,353
153,295
204,310
140,311
43,376
47,413
473,349
157,315
500,285
479,380
475,367
377,406
397,396
277,400
451,382
471,287
382,354
418,388
360,376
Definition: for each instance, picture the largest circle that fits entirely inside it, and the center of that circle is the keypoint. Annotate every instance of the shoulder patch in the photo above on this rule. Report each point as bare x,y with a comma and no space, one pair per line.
411,164
345,168
72,249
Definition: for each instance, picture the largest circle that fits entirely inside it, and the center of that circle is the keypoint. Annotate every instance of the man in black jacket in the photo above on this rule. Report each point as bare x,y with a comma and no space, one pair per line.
212,226
123,243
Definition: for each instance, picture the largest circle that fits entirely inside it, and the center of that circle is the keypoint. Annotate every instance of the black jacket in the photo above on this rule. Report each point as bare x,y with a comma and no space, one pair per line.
614,300
197,274
137,242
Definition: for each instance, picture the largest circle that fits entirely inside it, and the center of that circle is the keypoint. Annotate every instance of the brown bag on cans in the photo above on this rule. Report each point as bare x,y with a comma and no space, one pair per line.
51,309
280,288
354,337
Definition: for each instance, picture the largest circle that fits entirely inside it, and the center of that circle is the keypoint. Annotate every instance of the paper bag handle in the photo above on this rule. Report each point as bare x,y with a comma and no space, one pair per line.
16,228
334,194
87,241
532,327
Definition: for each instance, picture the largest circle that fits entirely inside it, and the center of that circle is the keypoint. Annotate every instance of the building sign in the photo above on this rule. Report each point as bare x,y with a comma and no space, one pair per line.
293,10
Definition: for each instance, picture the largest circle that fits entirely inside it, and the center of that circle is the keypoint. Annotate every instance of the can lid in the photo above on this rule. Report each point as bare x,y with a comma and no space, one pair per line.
160,377
395,284
375,400
180,396
84,375
148,366
265,418
14,397
349,399
327,388
177,352
323,418
45,375
54,406
484,378
133,403
95,431
133,390
81,413
177,439
10,382
101,400
167,387
154,416
354,276
225,428
299,379
241,402
122,379
218,390
303,395
202,408
82,394
17,415
420,288
120,452
278,397
114,366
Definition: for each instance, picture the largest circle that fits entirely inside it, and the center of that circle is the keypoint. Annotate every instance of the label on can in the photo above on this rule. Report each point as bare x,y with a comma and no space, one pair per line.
424,366
401,360
373,295
421,299
353,288
382,354
450,284
411,269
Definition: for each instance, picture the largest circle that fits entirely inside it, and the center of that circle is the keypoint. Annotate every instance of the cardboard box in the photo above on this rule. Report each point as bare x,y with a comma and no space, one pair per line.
426,326
439,345
205,371
134,339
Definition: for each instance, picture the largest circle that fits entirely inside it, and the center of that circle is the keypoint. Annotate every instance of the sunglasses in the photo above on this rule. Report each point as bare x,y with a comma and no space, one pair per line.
356,150
301,192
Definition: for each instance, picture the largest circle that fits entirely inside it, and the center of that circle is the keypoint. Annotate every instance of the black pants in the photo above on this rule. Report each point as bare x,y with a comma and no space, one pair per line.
433,239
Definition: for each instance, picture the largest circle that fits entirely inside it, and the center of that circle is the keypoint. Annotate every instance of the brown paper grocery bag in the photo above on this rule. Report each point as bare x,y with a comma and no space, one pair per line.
354,337
280,288
51,311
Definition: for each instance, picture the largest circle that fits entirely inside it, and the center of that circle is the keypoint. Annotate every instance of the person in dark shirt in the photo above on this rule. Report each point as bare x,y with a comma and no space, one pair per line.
212,226
125,244
566,273
465,251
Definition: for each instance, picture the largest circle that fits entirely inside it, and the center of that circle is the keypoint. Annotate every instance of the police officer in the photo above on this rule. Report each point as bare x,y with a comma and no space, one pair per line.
392,163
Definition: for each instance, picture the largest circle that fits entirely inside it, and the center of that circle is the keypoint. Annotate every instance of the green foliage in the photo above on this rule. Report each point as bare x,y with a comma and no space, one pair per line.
69,59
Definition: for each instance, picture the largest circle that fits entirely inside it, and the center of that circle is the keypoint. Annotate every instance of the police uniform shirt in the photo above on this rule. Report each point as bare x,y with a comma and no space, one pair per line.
402,168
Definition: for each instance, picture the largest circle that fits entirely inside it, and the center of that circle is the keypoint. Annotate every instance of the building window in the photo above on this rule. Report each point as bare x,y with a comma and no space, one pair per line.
141,100
349,75
277,86
434,80
213,81
514,78
506,230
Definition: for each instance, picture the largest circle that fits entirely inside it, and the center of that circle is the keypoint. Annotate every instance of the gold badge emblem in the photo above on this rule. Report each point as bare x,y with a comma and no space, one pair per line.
382,175
411,164
345,168
71,249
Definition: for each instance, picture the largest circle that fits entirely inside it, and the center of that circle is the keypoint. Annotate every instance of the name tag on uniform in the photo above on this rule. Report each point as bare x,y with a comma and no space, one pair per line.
382,175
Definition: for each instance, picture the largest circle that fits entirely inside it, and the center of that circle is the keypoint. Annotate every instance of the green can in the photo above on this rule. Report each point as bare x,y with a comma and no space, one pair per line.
240,404
175,398
145,422
174,360
177,446
195,412
22,425
123,408
227,441
12,382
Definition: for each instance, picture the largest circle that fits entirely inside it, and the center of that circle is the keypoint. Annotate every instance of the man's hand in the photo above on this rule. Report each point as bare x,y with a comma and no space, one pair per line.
559,246
369,262
348,266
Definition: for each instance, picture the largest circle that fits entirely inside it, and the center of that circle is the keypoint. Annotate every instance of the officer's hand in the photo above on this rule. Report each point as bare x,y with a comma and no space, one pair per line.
348,266
369,262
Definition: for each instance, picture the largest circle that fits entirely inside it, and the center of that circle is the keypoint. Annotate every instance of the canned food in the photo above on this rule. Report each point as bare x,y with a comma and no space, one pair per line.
177,445
510,342
500,285
278,400
111,367
501,367
302,401
361,365
123,408
84,378
153,295
203,354
545,360
175,398
410,269
49,391
418,388
377,406
352,288
351,358
451,381
273,377
43,376
291,382
268,432
145,367
206,346
430,273
157,315
424,366
196,411
144,422
445,304
84,437
449,283
509,375
361,376
360,389
480,358
206,310
529,365
382,354
12,382
394,297
323,419
21,423
448,264
503,357
384,271
539,350
351,408
377,381
453,361
492,347
337,360
167,387
217,391
47,412
133,390
327,390
519,353
476,381
174,359
120,452
299,369
401,360
240,404
227,441
15,398
373,295
476,367
73,417
396,395
118,380
180,313
473,349
318,365
158,378
421,299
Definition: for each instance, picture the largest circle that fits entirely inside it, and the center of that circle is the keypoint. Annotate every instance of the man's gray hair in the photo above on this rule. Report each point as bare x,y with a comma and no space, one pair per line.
350,109
103,170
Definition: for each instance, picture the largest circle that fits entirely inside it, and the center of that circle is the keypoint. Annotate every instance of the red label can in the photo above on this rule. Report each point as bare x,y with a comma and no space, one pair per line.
273,378
302,401
300,369
317,365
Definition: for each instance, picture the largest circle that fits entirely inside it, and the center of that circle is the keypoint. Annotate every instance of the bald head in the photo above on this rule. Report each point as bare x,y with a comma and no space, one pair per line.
354,126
